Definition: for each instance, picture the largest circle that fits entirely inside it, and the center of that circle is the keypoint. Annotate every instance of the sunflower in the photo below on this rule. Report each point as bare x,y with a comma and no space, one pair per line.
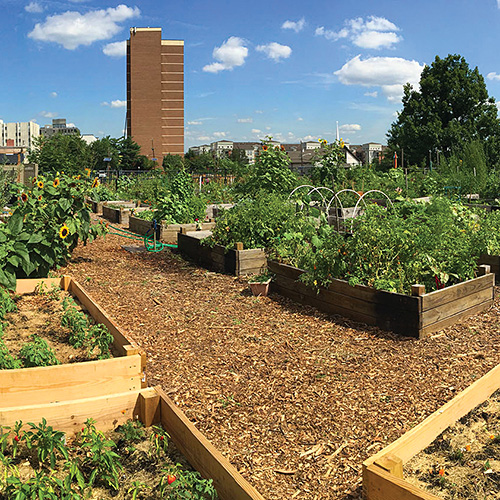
24,197
87,170
95,183
40,198
264,147
40,184
56,182
34,180
63,232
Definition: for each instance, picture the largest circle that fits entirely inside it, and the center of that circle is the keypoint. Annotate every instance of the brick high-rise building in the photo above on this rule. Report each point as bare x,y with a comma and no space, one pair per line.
155,93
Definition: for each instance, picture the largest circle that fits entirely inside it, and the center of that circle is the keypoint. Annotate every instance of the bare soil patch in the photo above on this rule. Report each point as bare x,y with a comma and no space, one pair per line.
463,462
41,315
294,398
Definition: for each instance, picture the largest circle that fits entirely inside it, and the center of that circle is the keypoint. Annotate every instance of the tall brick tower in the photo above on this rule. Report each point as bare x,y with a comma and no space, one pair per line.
155,93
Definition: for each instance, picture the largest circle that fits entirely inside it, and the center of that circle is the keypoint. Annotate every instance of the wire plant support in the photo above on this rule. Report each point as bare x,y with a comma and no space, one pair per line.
150,239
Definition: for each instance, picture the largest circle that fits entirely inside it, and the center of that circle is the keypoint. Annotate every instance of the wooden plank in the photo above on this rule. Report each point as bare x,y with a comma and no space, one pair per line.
251,255
439,297
424,433
24,286
149,407
360,292
456,307
379,484
66,382
451,320
332,300
202,455
120,340
69,416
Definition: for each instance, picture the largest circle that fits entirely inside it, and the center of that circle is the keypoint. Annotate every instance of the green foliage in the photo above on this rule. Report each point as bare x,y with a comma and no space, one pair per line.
329,163
179,484
179,204
435,244
45,226
270,173
48,443
101,462
132,431
7,361
451,108
158,441
37,353
95,337
60,153
256,222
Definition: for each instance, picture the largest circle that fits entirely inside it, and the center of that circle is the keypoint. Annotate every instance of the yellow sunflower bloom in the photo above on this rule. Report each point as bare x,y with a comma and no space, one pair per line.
56,182
63,232
95,183
24,197
40,184
87,170
40,198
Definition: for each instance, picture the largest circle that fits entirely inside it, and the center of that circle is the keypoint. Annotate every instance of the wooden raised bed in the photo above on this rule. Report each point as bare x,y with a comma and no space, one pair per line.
167,232
383,472
70,381
414,316
150,406
238,261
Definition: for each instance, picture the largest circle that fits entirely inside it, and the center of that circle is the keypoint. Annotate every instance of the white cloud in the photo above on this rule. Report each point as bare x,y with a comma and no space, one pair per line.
300,119
194,123
275,51
203,138
33,8
116,49
53,94
115,104
220,134
371,94
493,76
48,114
297,25
370,33
256,131
350,127
261,112
72,29
230,54
389,73
245,120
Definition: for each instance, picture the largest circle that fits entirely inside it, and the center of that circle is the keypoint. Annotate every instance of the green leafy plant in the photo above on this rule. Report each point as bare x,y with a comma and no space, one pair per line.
158,440
136,488
37,353
177,483
48,443
132,431
46,224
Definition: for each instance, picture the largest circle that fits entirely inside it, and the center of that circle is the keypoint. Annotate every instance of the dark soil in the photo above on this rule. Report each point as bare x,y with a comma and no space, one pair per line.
295,399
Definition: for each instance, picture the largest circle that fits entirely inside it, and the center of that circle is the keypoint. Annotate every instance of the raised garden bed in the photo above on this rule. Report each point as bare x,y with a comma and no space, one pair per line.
167,232
41,385
97,206
383,477
414,316
150,406
239,261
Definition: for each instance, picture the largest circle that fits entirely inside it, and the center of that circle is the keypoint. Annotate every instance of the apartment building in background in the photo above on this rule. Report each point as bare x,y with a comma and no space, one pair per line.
155,93
18,134
59,126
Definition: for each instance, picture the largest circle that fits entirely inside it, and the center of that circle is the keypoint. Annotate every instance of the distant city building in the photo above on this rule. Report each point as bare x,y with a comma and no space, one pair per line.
301,154
155,93
18,134
372,151
59,126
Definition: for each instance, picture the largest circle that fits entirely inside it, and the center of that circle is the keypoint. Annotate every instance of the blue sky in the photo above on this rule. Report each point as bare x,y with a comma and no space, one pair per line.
288,69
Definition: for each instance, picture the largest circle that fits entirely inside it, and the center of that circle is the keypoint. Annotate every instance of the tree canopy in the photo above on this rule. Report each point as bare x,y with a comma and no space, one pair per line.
452,108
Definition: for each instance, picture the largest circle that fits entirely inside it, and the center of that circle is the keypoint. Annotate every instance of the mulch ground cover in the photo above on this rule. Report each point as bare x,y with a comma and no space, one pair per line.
296,399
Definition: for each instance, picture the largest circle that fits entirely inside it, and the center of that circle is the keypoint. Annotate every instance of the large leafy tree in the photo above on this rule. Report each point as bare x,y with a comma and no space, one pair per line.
61,153
451,108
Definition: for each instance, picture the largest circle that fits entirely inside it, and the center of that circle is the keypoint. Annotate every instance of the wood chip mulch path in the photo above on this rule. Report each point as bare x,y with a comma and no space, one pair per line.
294,398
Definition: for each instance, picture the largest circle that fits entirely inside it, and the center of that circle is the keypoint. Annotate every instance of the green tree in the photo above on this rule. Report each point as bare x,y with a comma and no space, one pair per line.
61,153
106,147
199,164
451,108
131,159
